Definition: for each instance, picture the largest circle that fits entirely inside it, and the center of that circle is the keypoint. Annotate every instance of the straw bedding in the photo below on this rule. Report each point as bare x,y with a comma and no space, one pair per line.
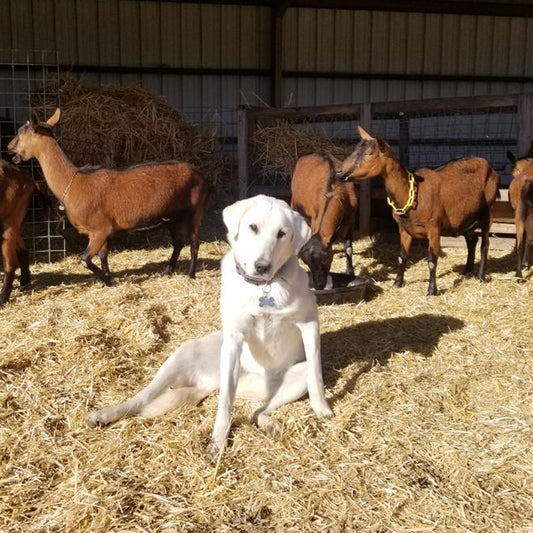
432,397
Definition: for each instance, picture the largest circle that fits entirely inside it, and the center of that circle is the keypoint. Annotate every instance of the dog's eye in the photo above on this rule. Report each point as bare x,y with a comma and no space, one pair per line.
281,234
253,227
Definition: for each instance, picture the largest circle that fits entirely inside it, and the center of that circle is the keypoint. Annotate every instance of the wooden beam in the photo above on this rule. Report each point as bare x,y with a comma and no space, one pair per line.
454,7
277,59
365,187
243,152
501,8
525,124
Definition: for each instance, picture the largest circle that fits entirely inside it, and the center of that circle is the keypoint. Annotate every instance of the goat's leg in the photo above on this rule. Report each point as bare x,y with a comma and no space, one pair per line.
23,258
527,248
96,241
433,256
485,239
103,254
24,263
195,241
9,256
471,242
405,243
520,231
348,250
176,234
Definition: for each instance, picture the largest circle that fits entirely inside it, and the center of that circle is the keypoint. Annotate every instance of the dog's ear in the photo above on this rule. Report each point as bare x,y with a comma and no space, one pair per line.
301,232
232,217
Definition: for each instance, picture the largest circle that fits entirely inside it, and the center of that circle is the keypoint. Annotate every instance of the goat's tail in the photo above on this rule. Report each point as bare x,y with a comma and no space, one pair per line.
527,194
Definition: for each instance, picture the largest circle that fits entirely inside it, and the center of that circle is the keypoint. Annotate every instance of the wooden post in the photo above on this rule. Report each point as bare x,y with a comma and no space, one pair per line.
525,124
365,188
278,10
404,139
243,152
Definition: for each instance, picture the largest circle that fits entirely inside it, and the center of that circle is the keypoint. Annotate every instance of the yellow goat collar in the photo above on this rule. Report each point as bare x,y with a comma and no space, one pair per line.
402,211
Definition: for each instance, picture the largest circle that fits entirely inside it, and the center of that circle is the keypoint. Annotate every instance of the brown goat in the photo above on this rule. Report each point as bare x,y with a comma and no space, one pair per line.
521,198
100,201
330,206
453,199
16,189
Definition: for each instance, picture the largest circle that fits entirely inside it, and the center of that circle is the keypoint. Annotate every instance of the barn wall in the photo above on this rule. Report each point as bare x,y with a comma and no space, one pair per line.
131,33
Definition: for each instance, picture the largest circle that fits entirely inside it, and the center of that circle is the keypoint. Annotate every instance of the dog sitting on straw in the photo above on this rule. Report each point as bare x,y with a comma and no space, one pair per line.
269,346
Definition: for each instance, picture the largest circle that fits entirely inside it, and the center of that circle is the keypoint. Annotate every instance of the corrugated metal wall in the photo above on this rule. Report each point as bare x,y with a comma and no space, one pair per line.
402,43
132,33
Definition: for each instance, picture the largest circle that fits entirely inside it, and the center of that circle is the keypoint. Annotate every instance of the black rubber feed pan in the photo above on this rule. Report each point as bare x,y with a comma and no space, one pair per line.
342,289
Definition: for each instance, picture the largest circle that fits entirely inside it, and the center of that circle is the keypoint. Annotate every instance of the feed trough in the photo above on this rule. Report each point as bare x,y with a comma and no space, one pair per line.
342,288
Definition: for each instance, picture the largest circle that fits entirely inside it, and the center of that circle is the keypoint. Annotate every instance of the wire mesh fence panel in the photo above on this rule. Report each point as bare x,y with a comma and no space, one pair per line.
423,133
433,138
28,78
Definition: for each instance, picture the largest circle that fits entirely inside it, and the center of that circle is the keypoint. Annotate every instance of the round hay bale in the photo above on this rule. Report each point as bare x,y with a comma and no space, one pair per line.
277,147
120,126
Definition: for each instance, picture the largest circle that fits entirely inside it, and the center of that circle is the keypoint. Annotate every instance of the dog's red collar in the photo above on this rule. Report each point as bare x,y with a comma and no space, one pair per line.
247,278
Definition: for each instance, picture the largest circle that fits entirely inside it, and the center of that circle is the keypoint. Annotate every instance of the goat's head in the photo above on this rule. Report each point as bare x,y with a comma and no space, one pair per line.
367,160
522,165
25,144
318,257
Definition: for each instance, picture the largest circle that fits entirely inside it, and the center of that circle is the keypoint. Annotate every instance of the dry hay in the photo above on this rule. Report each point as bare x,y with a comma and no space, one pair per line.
432,397
278,147
118,126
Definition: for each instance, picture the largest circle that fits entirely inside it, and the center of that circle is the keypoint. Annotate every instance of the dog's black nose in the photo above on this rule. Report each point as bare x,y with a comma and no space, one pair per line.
262,267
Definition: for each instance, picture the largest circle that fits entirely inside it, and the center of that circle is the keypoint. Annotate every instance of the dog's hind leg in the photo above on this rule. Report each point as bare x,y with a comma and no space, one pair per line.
292,387
173,398
185,378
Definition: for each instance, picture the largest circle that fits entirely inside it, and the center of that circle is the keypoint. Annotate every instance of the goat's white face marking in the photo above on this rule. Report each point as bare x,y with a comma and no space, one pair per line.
264,233
18,145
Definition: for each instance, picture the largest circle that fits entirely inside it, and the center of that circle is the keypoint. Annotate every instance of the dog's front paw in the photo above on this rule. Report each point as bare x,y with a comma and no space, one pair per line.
213,450
323,410
270,427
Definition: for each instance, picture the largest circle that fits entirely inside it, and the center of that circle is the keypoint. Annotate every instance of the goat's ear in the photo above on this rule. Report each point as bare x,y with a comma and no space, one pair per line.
511,157
54,119
301,232
381,144
34,119
232,217
364,134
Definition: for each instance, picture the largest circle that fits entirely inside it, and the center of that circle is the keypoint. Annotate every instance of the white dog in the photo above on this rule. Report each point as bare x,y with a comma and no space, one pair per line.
269,347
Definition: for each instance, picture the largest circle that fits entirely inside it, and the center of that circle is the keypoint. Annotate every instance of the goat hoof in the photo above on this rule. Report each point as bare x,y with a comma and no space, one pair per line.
432,291
25,287
398,284
169,270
